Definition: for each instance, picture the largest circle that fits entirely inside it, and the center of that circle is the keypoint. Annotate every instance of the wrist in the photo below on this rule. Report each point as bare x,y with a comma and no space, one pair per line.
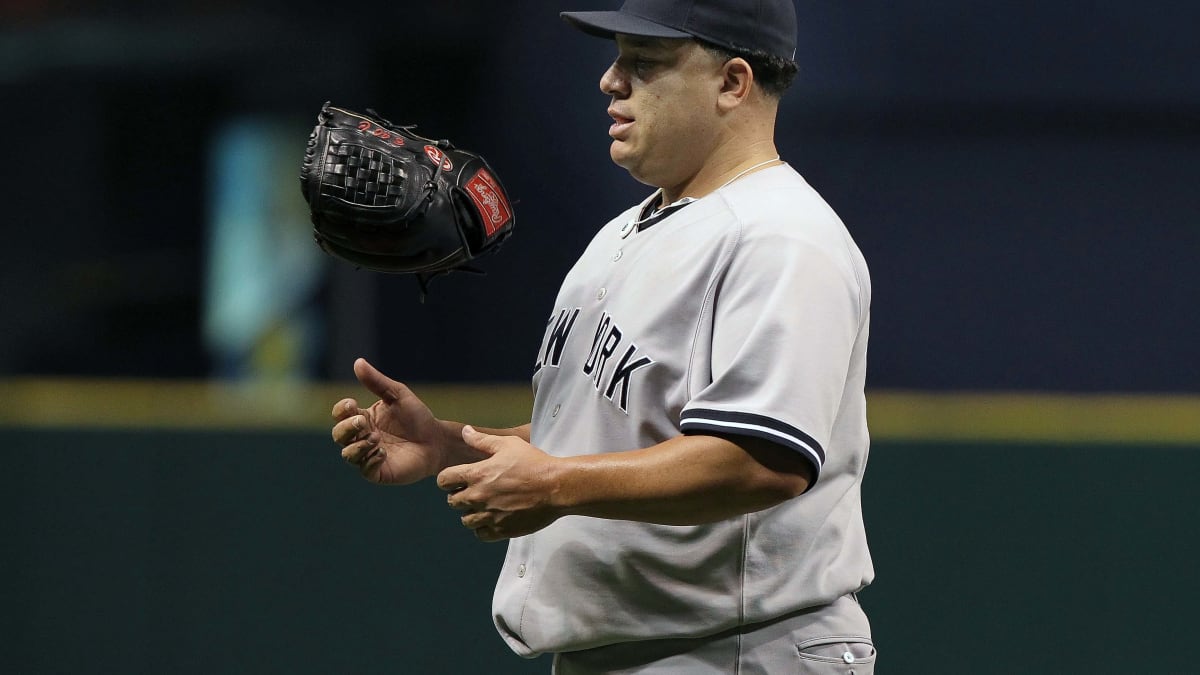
563,480
450,444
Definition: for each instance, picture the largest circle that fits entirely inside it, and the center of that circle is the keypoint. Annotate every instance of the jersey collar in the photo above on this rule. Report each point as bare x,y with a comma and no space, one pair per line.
650,215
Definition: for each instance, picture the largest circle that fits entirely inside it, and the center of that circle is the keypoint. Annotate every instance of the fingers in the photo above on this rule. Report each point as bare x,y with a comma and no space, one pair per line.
456,478
350,430
484,527
476,520
476,516
487,533
458,503
453,479
377,383
483,522
346,407
361,445
481,441
364,453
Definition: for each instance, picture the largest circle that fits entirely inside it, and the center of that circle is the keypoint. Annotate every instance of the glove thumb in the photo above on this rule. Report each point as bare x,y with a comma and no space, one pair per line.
376,382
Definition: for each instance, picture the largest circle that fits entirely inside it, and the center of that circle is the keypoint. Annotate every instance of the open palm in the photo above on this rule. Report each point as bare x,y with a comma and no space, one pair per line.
397,440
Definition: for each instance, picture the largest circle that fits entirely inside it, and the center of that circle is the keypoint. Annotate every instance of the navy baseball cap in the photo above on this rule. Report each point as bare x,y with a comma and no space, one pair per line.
769,25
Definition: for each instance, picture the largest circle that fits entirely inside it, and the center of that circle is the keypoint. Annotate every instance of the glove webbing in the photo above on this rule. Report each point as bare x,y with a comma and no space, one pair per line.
363,176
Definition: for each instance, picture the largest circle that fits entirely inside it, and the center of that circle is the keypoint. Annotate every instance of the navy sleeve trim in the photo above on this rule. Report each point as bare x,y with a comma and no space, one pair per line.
696,420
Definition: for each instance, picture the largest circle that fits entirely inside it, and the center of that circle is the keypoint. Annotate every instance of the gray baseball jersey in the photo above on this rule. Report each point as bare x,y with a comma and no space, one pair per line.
744,312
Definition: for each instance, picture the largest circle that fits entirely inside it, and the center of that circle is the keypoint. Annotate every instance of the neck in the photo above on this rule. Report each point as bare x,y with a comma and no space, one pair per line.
722,169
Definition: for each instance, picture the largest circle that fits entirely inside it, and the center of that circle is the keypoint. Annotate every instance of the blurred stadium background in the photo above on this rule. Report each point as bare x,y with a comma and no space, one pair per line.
1021,177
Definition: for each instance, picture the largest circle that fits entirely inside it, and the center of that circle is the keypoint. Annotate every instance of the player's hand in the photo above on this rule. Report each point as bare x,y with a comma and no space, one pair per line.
395,441
506,495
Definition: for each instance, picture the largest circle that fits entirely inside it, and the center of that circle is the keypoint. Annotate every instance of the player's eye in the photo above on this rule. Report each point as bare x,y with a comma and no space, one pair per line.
642,66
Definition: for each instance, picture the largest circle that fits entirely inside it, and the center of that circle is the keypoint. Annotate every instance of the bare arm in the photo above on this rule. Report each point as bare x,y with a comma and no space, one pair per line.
687,480
508,487
684,481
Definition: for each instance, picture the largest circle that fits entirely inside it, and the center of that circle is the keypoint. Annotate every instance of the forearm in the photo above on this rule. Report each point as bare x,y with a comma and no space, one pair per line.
687,480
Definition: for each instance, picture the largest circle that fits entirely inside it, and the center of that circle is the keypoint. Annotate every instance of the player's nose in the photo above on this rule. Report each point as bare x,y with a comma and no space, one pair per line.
613,82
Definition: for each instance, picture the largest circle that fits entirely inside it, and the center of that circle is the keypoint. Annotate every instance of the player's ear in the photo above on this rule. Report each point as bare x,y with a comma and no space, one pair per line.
736,84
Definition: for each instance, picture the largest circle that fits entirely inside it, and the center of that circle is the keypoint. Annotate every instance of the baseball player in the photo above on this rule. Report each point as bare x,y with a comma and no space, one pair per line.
685,498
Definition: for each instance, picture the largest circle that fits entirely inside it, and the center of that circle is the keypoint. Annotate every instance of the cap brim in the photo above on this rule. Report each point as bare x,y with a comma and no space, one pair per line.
609,24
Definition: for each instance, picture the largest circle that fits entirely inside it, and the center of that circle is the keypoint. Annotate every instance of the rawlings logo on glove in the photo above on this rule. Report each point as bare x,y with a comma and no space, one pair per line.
490,199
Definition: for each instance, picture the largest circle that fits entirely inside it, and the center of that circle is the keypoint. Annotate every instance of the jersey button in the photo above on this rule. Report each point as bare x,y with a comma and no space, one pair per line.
521,570
557,408
617,255
848,657
603,292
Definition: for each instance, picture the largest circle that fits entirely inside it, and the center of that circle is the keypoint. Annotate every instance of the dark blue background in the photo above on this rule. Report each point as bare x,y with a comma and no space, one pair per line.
1020,176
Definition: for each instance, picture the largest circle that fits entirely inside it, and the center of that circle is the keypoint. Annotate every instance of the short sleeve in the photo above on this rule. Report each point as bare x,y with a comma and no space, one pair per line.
786,315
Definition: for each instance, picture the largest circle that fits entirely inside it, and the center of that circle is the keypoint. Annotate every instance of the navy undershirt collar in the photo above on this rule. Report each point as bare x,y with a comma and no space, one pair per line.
652,216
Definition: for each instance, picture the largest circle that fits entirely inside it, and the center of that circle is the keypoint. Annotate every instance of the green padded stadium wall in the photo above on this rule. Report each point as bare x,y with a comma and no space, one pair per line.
254,552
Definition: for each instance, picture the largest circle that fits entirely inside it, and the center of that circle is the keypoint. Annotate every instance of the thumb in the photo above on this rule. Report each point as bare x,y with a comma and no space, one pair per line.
376,382
480,441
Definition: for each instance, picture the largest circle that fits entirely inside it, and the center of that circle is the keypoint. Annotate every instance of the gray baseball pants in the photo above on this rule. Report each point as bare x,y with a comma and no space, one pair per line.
830,640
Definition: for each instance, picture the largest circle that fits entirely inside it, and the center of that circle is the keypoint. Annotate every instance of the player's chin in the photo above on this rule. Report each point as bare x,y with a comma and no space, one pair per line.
624,156
637,169
635,163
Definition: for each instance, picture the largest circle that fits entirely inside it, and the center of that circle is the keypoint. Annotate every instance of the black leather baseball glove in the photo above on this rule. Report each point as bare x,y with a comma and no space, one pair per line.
386,199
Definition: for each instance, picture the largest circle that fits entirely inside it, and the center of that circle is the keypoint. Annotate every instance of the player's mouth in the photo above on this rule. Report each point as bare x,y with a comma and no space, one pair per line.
621,124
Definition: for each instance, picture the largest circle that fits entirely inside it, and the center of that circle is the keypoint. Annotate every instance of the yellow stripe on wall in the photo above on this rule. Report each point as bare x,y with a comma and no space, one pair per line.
992,416
211,404
893,415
